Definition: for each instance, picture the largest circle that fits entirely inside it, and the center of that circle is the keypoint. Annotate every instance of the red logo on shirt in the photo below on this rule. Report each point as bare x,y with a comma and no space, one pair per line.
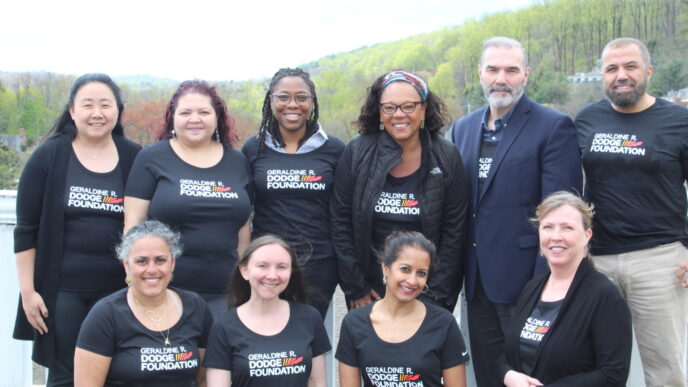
311,178
112,200
183,356
631,143
221,189
405,377
409,203
290,361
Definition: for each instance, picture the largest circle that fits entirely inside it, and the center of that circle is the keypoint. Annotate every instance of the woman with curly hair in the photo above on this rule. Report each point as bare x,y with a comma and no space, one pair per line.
195,182
398,174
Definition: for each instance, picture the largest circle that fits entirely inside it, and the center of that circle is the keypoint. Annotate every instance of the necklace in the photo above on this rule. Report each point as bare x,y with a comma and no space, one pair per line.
151,315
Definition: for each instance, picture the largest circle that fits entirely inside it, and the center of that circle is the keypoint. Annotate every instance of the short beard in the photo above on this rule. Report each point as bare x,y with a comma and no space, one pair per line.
627,99
505,101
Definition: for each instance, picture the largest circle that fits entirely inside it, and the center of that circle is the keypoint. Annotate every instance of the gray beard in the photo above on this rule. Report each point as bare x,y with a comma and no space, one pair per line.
505,101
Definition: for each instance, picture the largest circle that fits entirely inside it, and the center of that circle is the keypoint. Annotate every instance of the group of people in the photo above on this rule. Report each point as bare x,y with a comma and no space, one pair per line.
258,239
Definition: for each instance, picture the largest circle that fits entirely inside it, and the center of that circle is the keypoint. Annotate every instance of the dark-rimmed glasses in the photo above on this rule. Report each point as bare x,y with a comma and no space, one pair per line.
406,107
285,99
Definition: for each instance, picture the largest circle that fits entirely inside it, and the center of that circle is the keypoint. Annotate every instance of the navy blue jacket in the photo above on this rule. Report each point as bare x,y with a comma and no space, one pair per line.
538,155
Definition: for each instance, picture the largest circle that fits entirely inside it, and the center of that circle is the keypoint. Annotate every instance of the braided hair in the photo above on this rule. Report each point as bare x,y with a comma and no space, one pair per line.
270,125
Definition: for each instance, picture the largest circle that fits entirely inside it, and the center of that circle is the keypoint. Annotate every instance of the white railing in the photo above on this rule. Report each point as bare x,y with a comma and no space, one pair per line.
15,363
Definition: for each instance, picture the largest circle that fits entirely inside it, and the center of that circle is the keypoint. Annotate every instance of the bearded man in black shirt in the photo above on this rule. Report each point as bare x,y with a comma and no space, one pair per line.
635,157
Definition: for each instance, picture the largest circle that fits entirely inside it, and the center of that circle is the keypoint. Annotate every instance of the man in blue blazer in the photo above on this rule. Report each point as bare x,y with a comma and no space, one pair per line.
516,152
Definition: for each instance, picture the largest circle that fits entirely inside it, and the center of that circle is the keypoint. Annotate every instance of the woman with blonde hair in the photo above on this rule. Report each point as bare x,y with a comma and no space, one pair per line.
570,327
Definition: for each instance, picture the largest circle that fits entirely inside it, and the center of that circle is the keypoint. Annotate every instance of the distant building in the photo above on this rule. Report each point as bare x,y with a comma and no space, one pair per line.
679,97
12,141
578,78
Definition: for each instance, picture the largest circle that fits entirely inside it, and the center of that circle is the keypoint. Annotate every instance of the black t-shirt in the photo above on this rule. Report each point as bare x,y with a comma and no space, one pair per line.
293,195
635,167
94,215
207,206
488,147
281,360
397,208
139,357
418,361
534,330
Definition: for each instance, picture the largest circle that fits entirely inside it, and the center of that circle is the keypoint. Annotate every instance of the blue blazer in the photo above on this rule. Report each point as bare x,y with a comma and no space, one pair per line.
538,155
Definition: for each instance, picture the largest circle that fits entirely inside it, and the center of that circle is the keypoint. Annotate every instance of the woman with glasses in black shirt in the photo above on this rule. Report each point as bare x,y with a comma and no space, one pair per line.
292,162
398,174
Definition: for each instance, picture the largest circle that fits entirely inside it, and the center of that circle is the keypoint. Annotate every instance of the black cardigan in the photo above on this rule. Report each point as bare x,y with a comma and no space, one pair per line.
359,179
589,343
40,225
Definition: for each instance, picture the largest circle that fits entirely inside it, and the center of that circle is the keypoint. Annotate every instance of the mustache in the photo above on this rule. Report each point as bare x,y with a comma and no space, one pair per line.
623,82
502,88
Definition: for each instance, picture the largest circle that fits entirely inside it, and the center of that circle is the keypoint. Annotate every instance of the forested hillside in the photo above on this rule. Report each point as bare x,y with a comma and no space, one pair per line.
562,37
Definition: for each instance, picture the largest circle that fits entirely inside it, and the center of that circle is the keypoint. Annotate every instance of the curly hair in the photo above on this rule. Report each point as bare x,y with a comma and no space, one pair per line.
225,123
149,228
369,120
270,125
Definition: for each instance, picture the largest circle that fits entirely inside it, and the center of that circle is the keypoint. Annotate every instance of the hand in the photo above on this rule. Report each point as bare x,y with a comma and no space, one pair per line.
35,311
365,300
681,274
517,379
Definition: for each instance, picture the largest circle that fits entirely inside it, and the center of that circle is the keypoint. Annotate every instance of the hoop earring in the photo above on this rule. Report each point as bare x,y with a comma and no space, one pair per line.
425,289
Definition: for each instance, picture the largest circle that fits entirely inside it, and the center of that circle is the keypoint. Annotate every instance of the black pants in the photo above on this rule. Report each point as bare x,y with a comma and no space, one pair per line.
321,279
70,311
487,322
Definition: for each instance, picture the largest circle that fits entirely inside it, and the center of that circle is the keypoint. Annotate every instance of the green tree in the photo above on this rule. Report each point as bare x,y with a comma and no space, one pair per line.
10,167
548,86
671,76
444,82
32,115
8,112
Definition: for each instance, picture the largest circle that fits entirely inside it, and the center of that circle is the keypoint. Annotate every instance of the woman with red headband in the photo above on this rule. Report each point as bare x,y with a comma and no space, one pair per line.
398,174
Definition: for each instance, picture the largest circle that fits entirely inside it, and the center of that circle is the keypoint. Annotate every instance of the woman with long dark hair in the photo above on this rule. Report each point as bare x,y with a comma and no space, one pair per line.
69,218
398,174
269,338
292,162
195,182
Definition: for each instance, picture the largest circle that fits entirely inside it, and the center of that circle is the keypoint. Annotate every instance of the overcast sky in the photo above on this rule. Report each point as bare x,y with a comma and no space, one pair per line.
213,40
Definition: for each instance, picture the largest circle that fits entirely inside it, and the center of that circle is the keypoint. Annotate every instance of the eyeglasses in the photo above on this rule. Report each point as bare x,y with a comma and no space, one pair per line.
285,99
406,107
